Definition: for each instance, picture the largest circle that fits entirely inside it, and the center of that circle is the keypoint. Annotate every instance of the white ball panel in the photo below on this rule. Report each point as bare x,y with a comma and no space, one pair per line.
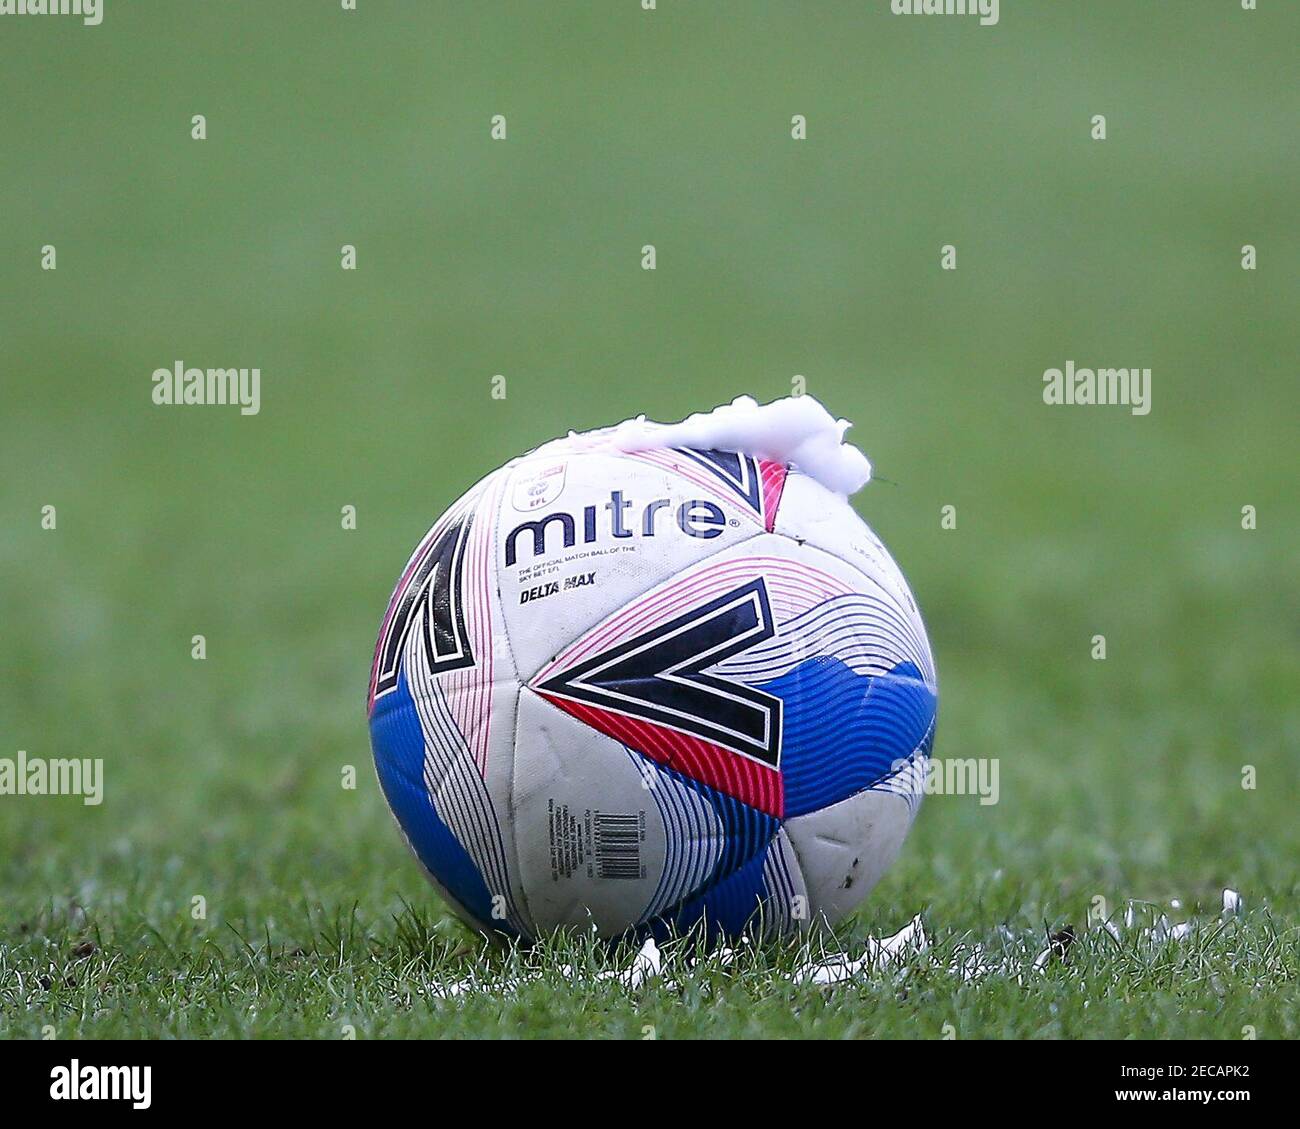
574,789
813,515
844,849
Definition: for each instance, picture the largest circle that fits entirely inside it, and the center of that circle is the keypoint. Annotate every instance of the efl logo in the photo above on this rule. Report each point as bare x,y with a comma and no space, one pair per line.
538,488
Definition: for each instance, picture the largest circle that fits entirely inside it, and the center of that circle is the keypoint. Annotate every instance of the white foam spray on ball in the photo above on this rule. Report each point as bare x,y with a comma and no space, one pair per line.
796,430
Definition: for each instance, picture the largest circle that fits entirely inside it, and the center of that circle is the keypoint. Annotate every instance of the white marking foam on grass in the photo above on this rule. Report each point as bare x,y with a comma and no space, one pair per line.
877,954
968,960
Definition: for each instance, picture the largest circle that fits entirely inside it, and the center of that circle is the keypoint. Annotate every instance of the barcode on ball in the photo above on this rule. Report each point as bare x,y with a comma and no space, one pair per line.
616,843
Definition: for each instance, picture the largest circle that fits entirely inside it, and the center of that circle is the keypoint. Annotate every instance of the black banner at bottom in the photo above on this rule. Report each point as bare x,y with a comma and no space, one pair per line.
339,1078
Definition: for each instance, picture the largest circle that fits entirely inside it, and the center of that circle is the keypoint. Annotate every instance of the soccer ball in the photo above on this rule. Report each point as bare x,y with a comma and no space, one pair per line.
650,691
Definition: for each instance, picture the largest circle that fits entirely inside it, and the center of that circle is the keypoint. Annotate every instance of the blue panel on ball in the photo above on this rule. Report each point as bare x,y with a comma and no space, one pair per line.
398,744
725,908
745,833
846,731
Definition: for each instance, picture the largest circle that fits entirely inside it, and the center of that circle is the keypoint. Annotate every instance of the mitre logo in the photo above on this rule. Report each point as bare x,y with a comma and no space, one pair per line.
620,518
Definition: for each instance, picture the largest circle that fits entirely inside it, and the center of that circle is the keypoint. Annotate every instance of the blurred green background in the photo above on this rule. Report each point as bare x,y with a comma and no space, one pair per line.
522,257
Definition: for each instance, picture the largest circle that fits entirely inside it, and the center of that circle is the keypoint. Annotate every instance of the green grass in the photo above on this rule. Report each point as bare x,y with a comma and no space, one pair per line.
313,974
1120,779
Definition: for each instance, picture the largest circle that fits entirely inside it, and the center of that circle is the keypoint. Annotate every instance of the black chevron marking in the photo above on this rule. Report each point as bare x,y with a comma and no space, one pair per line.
739,473
433,598
659,675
